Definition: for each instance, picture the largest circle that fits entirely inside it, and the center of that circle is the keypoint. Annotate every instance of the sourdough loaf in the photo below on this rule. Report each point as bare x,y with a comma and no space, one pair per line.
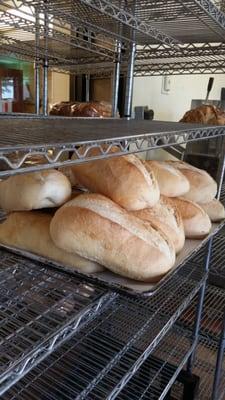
34,190
203,188
196,222
29,230
171,181
124,179
96,228
165,216
205,114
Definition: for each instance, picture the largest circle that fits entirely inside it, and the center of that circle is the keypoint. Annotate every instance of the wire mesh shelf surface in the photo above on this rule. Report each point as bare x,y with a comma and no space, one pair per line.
211,325
39,309
72,33
156,372
24,137
160,370
125,325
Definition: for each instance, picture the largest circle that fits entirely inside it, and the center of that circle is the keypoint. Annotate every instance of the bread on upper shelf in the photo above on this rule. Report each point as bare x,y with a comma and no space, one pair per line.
94,227
203,188
196,222
205,114
166,217
29,231
123,179
171,181
94,109
34,190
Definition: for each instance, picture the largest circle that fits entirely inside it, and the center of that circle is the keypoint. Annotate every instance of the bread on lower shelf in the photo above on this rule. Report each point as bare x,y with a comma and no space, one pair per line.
196,222
29,231
93,226
203,188
34,190
165,217
172,183
124,179
214,209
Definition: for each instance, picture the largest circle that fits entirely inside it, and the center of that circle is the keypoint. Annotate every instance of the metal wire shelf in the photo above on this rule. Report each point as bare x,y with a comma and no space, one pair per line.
160,370
158,375
24,137
121,324
204,368
40,309
85,32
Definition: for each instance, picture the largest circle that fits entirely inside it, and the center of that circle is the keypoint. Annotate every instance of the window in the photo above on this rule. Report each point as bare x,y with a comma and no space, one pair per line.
7,89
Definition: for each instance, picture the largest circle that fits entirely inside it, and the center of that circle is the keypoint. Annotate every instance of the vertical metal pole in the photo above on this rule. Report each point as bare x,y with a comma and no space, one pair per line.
37,65
130,82
221,168
87,77
116,78
219,363
87,87
45,64
199,310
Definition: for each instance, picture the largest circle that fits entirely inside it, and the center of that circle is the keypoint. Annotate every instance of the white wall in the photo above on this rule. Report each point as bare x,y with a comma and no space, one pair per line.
59,87
172,106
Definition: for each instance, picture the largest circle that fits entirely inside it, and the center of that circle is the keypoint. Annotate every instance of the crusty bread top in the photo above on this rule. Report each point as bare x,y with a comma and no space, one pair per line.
170,180
118,178
34,190
130,158
187,208
108,209
203,187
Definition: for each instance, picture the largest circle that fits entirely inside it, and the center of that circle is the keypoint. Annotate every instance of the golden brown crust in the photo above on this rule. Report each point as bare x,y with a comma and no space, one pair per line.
118,178
165,216
94,227
196,222
30,231
172,182
203,188
34,190
214,209
205,114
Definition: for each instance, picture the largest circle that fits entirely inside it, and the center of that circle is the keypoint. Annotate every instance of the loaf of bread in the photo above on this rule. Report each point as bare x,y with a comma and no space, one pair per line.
29,230
196,222
203,188
96,228
205,114
172,183
165,216
68,172
94,109
124,179
214,209
34,190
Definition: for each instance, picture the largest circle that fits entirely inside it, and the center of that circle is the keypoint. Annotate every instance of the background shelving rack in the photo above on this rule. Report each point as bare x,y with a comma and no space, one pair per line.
99,37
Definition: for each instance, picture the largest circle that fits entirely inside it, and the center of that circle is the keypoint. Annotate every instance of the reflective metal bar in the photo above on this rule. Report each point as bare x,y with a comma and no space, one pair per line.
130,82
45,65
116,78
36,65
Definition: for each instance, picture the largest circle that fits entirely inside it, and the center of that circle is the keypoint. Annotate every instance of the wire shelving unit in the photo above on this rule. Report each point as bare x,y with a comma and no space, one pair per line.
62,336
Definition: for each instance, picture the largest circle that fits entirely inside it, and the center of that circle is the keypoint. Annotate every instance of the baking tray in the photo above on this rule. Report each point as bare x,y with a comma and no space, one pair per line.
118,283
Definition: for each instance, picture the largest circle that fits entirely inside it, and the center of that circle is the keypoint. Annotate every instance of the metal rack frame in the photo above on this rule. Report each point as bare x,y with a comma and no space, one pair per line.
122,326
60,135
58,46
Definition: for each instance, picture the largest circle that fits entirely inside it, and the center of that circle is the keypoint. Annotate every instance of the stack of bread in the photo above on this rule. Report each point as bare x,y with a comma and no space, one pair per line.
132,218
